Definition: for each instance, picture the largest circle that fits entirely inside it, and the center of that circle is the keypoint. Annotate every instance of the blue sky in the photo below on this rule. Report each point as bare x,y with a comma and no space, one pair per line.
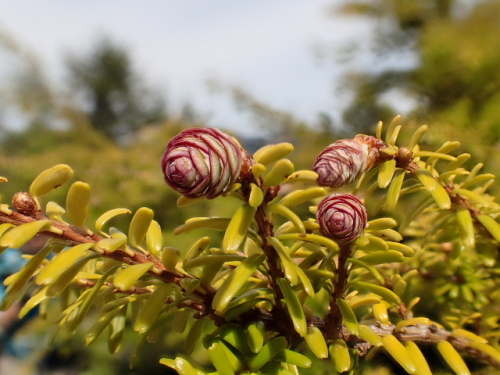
270,48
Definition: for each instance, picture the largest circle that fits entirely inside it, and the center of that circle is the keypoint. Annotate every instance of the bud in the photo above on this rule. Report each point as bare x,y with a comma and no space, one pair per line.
24,203
345,160
342,217
201,162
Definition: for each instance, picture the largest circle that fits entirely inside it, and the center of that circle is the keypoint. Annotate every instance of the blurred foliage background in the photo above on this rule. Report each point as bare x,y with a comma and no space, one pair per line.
111,126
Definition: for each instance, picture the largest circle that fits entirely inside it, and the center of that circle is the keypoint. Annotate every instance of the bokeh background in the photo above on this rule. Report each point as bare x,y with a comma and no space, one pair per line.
103,86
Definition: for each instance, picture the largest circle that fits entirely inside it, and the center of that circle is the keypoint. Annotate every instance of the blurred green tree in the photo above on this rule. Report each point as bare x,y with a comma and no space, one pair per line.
455,82
117,102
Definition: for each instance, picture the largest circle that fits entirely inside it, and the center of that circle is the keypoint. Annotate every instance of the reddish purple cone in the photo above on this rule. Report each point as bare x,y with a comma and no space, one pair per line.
201,162
341,163
342,217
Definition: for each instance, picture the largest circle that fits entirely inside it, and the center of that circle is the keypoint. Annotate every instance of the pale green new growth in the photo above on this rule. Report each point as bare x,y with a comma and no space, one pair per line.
272,294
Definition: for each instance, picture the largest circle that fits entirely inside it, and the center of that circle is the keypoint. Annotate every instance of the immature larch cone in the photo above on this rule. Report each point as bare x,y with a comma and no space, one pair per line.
201,162
342,217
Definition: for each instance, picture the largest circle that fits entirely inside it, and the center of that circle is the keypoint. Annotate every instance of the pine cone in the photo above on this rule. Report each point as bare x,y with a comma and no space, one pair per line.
342,217
201,162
